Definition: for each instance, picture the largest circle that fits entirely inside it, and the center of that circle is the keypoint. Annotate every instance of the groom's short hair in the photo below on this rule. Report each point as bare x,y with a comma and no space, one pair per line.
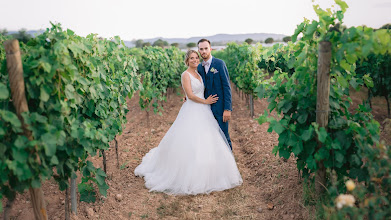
203,40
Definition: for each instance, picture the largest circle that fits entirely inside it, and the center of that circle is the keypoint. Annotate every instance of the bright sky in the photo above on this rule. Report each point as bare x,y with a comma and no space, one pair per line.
132,19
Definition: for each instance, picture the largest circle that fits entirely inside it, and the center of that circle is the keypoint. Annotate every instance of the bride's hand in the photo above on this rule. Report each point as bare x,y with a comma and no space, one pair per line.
211,99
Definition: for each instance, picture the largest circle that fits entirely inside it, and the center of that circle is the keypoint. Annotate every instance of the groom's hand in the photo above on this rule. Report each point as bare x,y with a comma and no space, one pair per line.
226,115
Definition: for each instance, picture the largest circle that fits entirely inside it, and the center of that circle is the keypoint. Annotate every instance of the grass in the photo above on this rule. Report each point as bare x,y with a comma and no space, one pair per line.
123,166
312,201
172,209
144,216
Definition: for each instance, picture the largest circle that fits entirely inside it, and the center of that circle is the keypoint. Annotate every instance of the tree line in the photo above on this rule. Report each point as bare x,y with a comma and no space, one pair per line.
21,35
164,44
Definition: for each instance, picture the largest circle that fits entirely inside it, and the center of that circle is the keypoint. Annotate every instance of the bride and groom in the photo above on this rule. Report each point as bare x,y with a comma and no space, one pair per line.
195,155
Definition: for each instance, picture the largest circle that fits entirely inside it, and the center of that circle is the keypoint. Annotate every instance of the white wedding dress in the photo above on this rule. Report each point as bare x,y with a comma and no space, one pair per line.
194,156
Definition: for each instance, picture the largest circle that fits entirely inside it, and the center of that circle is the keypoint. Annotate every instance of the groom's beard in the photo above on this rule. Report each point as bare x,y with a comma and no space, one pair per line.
205,57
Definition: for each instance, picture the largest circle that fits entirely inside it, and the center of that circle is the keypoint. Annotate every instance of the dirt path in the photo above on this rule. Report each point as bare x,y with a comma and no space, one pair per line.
271,189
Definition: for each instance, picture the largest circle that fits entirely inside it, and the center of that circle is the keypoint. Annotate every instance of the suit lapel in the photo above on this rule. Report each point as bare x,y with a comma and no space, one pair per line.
201,71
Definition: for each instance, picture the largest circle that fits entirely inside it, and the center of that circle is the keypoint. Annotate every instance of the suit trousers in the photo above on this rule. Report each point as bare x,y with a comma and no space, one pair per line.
224,128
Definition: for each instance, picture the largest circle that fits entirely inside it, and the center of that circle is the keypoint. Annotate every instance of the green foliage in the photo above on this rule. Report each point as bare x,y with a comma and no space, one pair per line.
278,58
292,87
294,97
87,192
139,43
219,54
160,43
22,36
249,40
348,142
269,40
242,65
146,44
123,166
76,90
287,39
175,44
161,69
2,57
386,26
92,175
190,45
374,198
3,32
377,67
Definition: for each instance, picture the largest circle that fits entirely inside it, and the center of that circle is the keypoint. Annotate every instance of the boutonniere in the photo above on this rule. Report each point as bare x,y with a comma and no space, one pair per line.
213,70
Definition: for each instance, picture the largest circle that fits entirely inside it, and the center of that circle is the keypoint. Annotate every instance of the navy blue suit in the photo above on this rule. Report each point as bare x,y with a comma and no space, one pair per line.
218,83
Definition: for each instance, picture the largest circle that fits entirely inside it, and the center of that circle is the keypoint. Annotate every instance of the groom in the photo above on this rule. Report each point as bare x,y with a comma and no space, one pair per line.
214,73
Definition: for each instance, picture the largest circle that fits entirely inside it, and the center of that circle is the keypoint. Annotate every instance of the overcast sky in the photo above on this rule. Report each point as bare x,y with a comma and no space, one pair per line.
132,19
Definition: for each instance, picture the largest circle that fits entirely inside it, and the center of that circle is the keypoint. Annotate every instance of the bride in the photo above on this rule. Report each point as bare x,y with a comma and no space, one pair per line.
194,156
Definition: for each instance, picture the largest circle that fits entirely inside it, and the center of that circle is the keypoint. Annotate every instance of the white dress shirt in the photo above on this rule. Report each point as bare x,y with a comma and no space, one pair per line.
207,66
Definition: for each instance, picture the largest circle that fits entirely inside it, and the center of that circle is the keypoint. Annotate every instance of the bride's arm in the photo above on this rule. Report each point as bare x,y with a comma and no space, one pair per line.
187,87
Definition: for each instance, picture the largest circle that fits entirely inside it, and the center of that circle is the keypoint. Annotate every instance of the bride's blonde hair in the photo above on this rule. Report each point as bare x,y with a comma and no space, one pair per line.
187,57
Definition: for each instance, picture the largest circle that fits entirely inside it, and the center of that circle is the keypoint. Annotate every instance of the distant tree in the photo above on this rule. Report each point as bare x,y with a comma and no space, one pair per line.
287,39
22,35
146,44
386,26
139,43
160,43
190,45
249,40
175,44
3,32
269,40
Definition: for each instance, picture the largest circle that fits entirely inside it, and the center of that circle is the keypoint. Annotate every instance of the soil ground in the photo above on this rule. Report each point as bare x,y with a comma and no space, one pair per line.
271,186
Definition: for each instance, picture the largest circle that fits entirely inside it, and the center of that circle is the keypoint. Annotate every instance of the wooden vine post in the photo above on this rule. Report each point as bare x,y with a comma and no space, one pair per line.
104,160
322,105
116,150
251,104
73,196
15,73
67,215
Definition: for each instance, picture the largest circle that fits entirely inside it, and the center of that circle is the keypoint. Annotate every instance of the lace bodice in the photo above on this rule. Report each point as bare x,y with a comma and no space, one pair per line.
197,86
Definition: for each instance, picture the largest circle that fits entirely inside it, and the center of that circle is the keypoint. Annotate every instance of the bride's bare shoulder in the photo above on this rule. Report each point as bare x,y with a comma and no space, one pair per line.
185,74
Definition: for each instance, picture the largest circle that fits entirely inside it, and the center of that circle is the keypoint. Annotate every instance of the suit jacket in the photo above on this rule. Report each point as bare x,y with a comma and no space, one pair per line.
217,82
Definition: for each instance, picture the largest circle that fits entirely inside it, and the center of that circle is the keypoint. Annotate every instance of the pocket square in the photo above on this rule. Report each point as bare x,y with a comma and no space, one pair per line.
213,70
